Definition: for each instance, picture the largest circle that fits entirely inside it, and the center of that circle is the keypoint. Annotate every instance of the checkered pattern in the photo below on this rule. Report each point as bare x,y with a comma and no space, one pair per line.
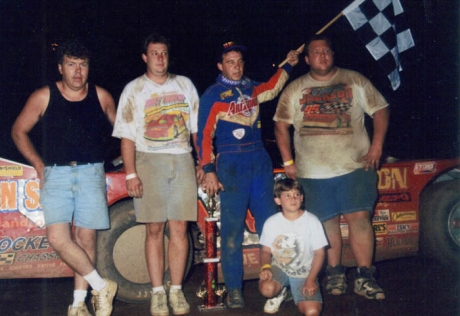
7,259
381,26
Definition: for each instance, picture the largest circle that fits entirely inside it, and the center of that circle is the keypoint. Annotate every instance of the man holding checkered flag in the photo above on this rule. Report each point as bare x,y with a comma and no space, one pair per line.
335,161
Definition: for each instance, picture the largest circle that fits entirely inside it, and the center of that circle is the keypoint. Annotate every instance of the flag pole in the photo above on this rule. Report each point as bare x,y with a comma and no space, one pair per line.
300,49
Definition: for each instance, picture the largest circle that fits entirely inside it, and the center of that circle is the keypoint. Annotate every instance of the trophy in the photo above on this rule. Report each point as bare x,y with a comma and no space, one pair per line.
220,292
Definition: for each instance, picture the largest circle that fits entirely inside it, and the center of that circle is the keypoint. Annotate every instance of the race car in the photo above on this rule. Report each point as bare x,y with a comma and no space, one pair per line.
418,211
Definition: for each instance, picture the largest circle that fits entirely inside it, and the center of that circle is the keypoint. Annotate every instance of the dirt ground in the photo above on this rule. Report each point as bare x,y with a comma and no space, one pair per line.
414,287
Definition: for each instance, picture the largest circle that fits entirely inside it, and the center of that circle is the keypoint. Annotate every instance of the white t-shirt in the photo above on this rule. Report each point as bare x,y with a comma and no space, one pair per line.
328,119
293,243
158,118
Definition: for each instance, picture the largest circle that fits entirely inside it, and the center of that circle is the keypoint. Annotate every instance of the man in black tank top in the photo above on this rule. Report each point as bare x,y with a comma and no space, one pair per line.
70,169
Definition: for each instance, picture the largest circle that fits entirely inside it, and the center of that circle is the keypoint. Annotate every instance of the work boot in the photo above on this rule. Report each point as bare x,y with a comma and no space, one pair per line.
366,285
158,304
80,310
235,299
336,280
178,303
102,300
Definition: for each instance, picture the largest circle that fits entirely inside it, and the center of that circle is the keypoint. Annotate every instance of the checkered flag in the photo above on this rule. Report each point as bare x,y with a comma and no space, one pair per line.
381,26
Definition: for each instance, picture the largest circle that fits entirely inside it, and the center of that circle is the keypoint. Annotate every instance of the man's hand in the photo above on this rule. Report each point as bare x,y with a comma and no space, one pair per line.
291,171
293,57
135,188
211,184
199,174
310,288
266,274
372,158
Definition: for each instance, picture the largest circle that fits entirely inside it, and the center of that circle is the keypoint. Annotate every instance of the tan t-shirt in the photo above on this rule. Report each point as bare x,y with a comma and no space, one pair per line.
328,119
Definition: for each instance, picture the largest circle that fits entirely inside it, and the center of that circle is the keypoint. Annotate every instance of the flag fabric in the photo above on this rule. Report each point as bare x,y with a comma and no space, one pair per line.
381,26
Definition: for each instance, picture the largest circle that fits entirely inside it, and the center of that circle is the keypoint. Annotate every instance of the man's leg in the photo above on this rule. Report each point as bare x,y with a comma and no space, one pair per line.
154,255
177,260
86,239
334,236
154,252
178,250
59,237
335,272
361,237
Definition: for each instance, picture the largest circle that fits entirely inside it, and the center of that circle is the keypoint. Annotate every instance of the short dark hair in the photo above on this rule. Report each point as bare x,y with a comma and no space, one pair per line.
286,184
318,37
155,38
72,48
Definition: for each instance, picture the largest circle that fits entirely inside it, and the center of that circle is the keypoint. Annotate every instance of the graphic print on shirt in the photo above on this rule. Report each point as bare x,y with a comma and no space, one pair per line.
287,252
165,116
243,111
326,110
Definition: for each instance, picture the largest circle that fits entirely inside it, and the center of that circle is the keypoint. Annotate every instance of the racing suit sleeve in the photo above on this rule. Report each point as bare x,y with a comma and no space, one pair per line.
206,130
267,91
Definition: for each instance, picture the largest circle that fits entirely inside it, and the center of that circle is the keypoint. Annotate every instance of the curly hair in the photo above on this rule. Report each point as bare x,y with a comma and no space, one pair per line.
72,48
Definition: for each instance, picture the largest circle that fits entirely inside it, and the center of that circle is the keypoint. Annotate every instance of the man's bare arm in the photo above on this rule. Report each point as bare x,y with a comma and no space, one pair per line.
107,104
33,110
283,139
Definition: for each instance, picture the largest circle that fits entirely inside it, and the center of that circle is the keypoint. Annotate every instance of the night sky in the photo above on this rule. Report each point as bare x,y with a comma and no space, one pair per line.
425,109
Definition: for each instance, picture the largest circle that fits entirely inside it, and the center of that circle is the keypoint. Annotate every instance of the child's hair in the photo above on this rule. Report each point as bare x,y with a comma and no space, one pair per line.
286,184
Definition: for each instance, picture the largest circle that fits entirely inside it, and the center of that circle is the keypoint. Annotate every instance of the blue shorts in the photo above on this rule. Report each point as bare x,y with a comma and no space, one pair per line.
75,193
352,192
296,285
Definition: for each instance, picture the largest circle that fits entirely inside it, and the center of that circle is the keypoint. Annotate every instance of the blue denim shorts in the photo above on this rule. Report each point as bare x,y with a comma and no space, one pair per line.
296,285
75,193
352,192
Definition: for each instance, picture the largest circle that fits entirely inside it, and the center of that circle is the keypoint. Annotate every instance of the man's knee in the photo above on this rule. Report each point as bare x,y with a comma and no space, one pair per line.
310,308
269,288
155,230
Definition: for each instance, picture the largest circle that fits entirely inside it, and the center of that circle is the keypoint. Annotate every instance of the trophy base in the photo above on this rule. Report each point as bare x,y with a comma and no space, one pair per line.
204,308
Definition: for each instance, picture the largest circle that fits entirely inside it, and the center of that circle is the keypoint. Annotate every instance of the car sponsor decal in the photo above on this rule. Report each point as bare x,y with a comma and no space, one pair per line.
401,241
404,216
403,228
379,228
7,259
11,171
394,197
392,178
381,216
23,196
425,167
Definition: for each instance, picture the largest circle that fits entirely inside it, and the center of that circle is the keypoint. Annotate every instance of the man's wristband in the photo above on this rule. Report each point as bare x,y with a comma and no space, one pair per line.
288,163
209,168
131,176
266,266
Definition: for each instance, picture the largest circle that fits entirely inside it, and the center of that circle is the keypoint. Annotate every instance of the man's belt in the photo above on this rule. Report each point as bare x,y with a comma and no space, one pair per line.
73,163
240,147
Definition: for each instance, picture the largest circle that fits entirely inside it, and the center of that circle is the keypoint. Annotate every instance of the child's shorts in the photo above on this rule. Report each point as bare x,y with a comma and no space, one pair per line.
296,285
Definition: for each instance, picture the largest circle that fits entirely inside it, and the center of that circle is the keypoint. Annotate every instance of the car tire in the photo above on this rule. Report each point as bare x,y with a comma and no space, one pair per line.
121,254
440,222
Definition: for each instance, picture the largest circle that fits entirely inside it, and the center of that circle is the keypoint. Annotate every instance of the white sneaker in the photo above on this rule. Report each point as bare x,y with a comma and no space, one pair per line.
158,304
273,304
80,310
178,303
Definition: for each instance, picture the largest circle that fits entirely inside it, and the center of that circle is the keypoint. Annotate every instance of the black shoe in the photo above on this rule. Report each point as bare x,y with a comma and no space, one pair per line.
336,280
235,299
366,285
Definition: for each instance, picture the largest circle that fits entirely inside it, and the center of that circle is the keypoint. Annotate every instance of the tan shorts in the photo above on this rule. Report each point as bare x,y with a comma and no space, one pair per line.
170,189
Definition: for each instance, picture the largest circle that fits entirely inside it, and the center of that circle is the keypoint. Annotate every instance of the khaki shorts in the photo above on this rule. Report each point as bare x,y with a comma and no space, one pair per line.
170,189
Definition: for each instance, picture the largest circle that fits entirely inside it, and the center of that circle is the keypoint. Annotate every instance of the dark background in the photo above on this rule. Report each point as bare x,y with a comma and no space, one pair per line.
424,110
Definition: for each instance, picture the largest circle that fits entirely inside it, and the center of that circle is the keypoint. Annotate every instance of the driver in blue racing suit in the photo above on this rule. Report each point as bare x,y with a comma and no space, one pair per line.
233,157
